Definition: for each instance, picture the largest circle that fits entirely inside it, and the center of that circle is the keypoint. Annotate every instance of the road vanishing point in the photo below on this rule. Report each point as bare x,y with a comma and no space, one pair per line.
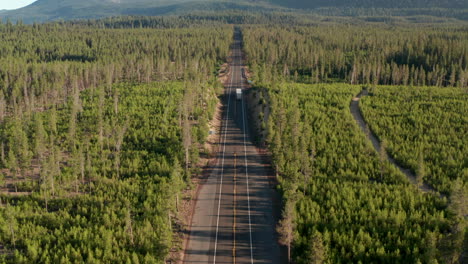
234,219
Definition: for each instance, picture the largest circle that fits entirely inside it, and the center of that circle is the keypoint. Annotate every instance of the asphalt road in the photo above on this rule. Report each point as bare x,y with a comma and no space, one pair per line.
234,218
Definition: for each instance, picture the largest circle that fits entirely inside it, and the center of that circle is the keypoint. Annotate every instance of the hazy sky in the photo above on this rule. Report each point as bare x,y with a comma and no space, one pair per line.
14,4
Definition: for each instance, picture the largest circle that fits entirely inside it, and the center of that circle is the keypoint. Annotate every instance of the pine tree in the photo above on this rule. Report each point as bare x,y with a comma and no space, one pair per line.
13,166
118,145
383,158
178,183
3,107
12,224
40,137
286,227
421,171
129,224
186,139
317,249
101,96
53,122
430,242
458,205
2,153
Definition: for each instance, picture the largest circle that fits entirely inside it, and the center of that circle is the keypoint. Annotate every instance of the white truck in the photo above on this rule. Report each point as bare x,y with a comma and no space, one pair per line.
239,94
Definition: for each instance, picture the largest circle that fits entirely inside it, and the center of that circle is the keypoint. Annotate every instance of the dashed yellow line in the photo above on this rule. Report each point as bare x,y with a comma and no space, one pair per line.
235,212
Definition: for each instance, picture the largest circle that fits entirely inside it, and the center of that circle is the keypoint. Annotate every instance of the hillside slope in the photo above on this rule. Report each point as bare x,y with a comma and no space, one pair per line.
53,10
373,3
48,10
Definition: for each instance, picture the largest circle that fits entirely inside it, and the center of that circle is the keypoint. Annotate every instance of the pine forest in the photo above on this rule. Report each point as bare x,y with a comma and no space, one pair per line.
111,128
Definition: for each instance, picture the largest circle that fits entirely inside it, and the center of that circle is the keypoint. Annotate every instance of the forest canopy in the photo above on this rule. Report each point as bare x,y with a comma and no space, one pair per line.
344,201
103,121
100,131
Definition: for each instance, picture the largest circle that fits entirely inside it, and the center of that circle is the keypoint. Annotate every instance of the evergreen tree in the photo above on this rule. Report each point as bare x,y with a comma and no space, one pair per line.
286,227
317,249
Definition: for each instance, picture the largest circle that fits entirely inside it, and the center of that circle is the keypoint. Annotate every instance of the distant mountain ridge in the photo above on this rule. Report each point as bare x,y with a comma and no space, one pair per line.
49,10
373,3
53,10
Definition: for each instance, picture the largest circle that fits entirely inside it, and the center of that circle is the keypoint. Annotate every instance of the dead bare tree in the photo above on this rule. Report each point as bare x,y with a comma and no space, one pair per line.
286,227
129,224
118,145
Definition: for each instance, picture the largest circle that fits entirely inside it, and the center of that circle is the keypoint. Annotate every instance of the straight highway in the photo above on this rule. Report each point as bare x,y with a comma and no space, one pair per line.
234,220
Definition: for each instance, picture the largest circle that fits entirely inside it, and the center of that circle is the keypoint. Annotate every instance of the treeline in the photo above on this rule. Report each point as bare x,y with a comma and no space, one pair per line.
100,131
362,54
345,203
425,128
155,22
428,15
302,4
196,19
41,65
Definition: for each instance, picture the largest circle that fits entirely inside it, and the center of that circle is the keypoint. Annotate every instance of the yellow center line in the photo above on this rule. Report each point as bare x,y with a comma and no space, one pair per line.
235,201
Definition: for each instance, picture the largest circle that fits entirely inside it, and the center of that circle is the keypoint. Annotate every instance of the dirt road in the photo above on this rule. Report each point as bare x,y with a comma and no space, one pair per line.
356,112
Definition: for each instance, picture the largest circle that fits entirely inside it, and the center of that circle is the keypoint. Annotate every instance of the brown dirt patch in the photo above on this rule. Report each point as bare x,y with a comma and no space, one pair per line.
11,183
223,74
247,72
